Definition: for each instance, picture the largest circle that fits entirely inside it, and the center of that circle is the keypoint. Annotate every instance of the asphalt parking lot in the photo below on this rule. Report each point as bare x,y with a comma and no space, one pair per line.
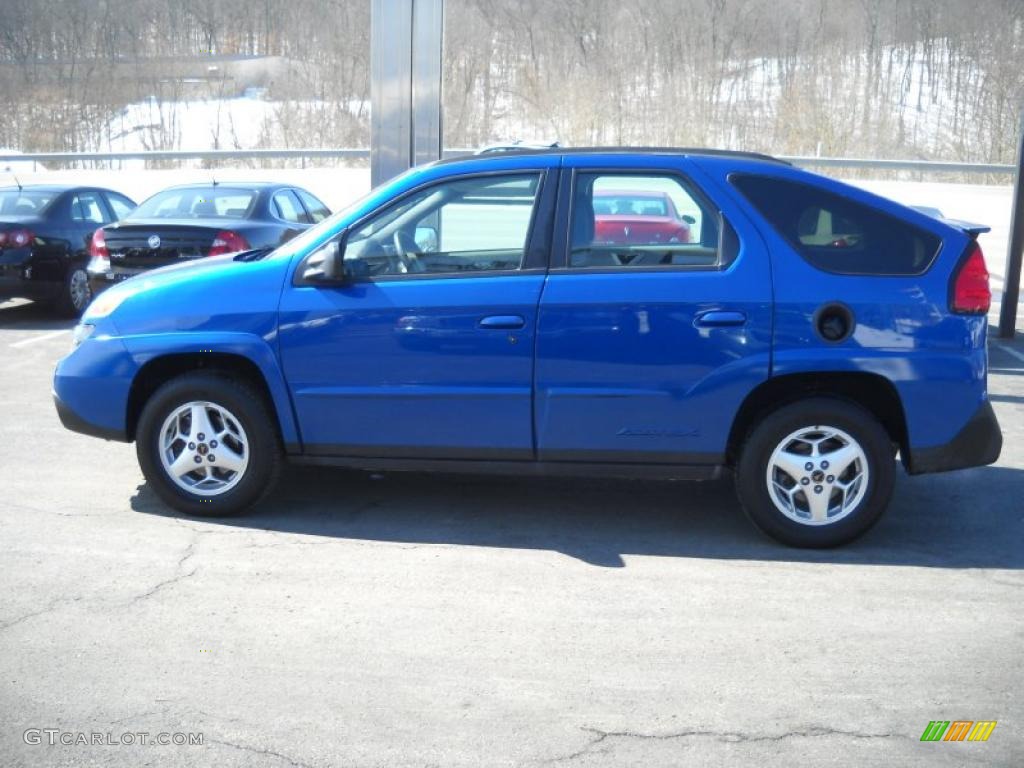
363,620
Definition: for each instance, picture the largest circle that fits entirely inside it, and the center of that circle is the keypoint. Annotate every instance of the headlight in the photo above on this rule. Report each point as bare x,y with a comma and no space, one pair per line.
82,332
107,302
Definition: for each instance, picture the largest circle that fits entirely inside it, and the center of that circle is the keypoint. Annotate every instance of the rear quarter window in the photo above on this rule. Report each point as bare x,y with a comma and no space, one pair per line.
836,234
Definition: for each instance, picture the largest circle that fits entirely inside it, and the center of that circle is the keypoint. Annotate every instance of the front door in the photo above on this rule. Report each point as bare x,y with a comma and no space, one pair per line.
428,353
655,324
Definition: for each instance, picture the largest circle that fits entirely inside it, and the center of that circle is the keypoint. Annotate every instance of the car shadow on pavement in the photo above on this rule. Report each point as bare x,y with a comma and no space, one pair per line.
30,316
969,519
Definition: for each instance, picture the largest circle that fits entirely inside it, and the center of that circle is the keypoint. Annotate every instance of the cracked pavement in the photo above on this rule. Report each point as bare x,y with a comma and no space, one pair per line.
363,620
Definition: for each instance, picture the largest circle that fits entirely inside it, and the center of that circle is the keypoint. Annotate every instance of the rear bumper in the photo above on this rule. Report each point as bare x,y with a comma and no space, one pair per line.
100,281
28,289
977,444
19,279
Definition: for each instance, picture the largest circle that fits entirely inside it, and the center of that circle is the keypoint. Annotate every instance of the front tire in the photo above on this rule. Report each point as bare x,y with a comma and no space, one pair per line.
207,445
816,473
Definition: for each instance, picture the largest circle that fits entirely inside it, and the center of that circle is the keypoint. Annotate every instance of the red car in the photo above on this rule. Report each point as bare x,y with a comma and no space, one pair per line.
638,217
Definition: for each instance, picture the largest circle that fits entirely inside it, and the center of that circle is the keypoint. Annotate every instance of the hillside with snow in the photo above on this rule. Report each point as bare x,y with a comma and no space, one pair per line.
249,121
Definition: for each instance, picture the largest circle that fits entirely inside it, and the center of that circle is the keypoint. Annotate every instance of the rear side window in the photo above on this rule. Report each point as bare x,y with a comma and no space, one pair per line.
287,207
120,205
836,234
86,207
629,221
317,210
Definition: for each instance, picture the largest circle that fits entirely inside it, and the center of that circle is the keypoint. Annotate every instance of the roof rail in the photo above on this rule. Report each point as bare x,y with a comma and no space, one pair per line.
519,148
516,146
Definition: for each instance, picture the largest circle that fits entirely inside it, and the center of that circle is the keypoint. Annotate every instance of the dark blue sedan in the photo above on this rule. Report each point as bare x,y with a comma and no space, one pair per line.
45,233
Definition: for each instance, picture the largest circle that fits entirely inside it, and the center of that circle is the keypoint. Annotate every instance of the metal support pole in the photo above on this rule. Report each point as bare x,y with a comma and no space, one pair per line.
427,40
405,85
1011,285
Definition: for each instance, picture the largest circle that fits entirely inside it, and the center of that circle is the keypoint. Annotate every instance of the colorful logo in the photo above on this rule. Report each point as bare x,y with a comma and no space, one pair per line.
958,730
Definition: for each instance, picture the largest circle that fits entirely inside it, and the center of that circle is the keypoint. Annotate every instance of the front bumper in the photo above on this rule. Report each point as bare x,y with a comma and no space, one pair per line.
91,388
73,421
977,444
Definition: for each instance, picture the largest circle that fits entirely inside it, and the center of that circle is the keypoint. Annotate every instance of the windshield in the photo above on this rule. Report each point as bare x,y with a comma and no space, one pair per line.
24,202
197,203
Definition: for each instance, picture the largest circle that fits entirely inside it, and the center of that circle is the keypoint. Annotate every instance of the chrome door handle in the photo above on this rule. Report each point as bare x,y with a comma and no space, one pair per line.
719,319
503,322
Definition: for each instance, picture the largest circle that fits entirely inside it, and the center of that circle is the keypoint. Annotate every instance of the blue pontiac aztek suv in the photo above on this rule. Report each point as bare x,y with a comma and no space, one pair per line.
633,312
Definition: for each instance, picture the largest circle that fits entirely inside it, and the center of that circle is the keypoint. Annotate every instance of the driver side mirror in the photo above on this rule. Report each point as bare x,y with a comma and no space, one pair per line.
689,219
325,265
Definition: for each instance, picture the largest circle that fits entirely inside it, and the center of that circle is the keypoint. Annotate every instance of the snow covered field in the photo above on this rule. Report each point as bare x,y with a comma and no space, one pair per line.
239,122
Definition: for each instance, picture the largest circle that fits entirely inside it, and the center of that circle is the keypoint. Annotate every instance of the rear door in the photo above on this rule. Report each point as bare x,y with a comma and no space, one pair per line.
646,349
429,351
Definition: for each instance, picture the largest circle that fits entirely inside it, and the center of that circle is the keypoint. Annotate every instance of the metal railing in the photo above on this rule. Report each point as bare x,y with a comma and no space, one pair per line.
169,155
186,154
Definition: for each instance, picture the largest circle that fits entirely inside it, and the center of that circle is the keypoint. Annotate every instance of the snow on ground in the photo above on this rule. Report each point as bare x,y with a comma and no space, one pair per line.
224,123
243,122
15,166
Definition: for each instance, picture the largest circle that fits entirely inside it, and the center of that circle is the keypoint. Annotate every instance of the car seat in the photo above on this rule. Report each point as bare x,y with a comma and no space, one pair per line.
581,254
204,208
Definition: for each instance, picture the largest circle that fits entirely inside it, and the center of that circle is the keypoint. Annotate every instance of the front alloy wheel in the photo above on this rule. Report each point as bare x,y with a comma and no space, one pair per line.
204,449
208,444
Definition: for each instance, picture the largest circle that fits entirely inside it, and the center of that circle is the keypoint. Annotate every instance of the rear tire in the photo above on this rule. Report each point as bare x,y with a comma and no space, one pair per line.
816,473
207,445
75,294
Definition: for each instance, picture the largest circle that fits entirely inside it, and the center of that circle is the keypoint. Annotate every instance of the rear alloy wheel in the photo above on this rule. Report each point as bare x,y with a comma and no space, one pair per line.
207,445
816,473
76,293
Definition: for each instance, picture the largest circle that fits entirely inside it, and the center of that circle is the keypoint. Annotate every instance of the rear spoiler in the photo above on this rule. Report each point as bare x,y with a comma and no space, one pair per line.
971,229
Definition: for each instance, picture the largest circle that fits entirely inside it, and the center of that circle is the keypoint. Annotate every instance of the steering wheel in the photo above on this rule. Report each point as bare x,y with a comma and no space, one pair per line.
406,250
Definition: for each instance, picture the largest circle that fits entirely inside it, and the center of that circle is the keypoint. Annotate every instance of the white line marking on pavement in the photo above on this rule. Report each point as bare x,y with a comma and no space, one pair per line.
44,337
1013,352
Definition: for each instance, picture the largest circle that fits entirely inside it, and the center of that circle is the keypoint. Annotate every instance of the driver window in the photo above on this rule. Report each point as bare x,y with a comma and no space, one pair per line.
467,225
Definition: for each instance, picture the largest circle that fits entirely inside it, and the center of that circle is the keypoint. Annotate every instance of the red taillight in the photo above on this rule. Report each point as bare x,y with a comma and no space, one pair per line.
16,238
971,293
100,261
228,242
